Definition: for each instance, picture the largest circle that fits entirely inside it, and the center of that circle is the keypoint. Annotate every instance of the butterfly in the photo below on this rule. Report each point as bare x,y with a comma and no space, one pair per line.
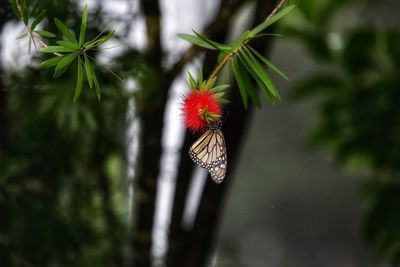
209,152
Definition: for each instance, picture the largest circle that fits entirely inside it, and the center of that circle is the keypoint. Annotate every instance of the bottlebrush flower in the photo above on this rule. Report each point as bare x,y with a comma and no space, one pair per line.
200,107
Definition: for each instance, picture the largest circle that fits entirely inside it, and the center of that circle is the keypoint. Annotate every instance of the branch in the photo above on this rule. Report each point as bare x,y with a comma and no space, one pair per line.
33,34
21,14
276,9
219,23
229,56
36,37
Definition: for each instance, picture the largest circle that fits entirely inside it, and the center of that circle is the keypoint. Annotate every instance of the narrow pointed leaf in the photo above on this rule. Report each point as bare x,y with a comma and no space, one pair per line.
54,49
220,88
29,45
25,12
200,78
223,101
50,62
68,45
22,36
89,71
270,21
260,76
218,46
212,82
65,31
267,34
100,41
268,63
63,65
38,19
241,82
33,9
83,26
97,86
219,95
79,81
97,37
192,82
195,40
260,83
46,34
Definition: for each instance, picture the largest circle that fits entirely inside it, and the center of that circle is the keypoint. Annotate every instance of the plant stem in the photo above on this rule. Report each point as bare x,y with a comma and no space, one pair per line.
220,66
276,9
36,37
21,14
231,54
33,34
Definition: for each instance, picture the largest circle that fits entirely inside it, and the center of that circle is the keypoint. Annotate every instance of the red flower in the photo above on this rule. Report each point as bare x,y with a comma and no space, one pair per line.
200,108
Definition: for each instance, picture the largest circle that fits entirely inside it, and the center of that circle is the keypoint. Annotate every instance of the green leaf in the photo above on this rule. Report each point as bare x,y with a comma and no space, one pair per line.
63,65
221,56
241,82
68,45
259,74
252,90
22,36
192,81
25,12
270,21
267,34
29,45
38,19
195,40
262,74
50,62
79,81
83,25
46,34
65,31
100,41
98,36
33,9
223,101
89,71
242,39
55,49
218,46
219,95
220,88
200,78
97,86
267,62
105,39
211,83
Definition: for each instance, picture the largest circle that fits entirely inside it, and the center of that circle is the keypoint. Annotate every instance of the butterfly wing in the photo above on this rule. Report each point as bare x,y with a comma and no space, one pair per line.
209,152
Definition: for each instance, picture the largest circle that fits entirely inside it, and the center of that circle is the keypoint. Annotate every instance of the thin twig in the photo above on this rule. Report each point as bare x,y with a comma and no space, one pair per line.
21,14
223,17
33,34
220,66
276,9
230,55
36,37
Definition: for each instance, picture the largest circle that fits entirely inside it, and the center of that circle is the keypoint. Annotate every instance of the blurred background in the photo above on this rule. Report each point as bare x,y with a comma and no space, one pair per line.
312,181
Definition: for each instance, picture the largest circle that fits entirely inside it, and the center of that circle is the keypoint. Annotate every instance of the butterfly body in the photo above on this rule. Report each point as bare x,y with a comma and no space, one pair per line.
209,152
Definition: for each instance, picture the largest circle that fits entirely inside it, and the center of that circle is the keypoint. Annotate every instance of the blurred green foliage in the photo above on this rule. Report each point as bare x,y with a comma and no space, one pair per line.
62,165
358,87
